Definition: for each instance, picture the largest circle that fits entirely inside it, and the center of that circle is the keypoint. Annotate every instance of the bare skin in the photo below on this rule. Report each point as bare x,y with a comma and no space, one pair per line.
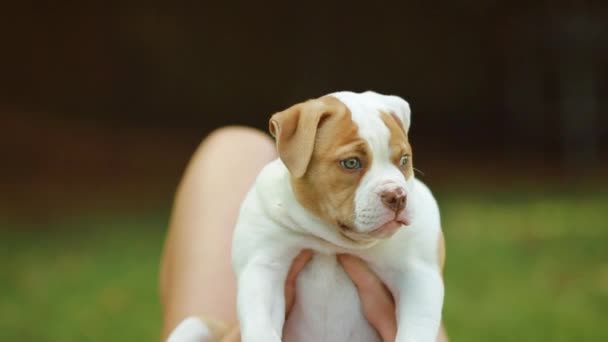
196,276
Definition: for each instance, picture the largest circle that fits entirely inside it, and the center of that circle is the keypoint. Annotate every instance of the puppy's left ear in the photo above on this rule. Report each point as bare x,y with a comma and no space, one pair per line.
400,110
295,130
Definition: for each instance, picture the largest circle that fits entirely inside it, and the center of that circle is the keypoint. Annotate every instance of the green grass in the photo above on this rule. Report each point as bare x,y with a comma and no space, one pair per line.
527,267
521,267
89,279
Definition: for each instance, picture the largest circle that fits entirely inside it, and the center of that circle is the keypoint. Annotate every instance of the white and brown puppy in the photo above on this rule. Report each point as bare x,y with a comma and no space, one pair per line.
344,183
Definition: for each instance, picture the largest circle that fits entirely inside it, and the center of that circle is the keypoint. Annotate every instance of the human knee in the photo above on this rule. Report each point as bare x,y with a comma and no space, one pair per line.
236,138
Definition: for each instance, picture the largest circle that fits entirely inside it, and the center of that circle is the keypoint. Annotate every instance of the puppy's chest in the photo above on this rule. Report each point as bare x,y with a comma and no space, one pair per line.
327,306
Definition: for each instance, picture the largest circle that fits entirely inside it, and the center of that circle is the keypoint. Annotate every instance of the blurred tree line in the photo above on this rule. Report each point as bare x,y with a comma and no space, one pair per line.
497,79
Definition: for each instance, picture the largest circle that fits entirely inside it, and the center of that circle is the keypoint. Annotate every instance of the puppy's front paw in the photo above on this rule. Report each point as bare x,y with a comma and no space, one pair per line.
191,329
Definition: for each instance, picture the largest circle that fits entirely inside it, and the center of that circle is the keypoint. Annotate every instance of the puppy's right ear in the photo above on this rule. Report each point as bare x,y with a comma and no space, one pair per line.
295,130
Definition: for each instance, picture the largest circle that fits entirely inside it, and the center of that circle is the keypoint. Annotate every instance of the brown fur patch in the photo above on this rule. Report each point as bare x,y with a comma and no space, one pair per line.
327,189
398,143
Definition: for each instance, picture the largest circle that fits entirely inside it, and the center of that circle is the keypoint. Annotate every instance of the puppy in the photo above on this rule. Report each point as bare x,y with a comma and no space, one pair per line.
343,183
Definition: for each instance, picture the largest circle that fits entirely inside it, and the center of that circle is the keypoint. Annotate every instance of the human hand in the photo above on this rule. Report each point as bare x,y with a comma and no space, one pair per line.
377,301
290,283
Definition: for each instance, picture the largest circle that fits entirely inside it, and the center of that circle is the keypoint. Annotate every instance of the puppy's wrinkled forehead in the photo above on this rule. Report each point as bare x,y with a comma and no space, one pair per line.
365,109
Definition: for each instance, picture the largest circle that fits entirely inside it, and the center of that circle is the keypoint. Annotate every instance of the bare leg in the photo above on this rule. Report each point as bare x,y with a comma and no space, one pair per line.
196,276
442,337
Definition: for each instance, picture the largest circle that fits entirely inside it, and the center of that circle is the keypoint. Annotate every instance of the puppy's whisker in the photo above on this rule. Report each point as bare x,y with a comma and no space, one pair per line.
419,172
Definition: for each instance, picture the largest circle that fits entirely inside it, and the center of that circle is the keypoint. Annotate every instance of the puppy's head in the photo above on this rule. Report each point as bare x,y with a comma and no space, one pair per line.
350,160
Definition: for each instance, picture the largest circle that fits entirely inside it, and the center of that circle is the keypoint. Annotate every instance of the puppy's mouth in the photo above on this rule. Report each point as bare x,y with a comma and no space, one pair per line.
389,228
384,230
351,234
344,228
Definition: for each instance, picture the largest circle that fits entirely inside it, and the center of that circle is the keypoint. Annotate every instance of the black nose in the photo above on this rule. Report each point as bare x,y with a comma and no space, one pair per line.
394,199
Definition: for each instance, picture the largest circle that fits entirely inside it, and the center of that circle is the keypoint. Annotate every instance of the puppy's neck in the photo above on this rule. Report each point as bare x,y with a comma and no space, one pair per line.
277,195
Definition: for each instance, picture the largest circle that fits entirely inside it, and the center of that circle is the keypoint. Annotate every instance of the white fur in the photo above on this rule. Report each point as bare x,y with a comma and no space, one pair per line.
267,239
382,174
273,228
191,329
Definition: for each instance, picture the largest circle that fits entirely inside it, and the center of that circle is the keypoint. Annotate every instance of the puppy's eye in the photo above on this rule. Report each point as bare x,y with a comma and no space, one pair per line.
351,163
404,160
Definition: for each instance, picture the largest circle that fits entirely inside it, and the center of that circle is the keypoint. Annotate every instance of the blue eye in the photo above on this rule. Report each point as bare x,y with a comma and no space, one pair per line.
351,163
404,160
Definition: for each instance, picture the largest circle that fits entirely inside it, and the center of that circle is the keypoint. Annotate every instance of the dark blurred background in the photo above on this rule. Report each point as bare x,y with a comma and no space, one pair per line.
97,95
102,103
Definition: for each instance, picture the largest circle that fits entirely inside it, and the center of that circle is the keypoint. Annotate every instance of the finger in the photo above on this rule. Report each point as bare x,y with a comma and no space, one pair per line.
298,263
363,277
360,274
385,324
290,283
376,300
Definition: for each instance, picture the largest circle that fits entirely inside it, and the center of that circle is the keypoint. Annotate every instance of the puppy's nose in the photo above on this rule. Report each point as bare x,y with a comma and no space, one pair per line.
394,199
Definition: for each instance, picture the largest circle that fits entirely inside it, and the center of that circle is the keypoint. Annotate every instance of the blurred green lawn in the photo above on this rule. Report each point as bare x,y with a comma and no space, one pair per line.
521,267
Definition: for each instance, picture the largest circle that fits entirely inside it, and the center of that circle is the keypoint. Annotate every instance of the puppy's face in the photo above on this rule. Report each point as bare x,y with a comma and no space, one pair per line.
350,161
